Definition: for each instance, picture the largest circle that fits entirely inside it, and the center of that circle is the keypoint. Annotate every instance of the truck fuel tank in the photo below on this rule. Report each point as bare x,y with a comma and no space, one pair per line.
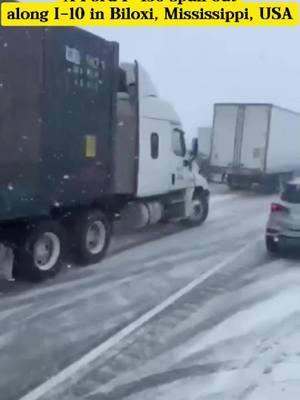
140,214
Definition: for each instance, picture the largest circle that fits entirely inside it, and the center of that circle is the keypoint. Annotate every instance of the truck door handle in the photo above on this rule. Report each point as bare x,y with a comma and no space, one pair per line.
173,179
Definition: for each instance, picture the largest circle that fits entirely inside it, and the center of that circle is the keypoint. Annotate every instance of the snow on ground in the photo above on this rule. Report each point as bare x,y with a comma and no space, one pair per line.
121,241
70,316
253,353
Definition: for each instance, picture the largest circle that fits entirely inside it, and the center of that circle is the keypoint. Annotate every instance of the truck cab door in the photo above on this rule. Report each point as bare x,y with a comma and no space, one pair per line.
181,175
153,161
166,170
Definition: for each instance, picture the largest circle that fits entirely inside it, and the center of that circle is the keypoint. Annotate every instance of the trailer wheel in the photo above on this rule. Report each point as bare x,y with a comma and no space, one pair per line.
230,182
199,210
92,235
235,184
40,256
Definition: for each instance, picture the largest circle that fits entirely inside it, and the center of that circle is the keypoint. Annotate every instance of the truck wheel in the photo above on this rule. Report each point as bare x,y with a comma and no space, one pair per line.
40,255
230,182
235,184
92,237
199,210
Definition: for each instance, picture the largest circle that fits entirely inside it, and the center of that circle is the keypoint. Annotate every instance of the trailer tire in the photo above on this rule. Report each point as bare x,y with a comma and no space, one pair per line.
40,255
235,184
92,234
231,183
200,210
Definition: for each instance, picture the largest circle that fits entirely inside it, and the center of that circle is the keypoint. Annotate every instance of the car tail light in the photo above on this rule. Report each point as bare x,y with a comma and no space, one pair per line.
278,208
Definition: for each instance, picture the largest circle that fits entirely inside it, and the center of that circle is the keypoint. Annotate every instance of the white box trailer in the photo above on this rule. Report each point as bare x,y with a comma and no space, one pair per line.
255,143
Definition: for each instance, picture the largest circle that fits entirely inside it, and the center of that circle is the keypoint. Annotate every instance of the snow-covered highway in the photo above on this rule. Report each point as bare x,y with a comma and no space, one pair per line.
203,313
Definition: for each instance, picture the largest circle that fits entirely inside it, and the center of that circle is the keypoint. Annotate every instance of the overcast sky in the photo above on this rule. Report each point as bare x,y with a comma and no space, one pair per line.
196,67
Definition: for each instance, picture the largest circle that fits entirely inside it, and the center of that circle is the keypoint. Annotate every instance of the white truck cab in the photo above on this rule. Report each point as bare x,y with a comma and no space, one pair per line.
167,181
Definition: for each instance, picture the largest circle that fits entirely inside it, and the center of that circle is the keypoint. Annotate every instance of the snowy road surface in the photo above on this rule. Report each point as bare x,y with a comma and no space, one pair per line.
198,314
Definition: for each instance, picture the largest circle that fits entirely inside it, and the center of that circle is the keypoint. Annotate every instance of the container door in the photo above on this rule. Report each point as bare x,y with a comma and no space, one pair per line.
80,88
254,136
224,130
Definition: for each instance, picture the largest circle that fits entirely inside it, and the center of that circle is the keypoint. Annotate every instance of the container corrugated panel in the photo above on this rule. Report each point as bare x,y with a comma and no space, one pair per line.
20,119
79,107
57,111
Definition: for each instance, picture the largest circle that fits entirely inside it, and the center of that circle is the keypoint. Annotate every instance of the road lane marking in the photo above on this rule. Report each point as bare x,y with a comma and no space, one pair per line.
73,369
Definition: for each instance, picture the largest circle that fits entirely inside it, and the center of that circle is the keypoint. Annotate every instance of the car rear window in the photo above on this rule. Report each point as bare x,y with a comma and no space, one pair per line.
291,193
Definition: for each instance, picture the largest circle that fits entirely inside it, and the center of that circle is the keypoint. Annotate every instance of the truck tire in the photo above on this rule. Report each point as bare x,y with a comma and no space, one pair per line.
199,212
40,256
231,183
235,184
92,233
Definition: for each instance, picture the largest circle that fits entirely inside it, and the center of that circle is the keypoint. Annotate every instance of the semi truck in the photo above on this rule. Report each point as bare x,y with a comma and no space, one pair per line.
255,143
84,140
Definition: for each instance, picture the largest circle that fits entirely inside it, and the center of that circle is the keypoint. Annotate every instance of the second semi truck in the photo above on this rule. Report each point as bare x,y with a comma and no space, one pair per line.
255,143
83,140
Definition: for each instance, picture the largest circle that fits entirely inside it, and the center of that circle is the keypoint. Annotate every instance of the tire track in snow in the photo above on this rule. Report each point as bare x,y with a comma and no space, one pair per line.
75,368
139,271
136,239
136,272
207,239
159,354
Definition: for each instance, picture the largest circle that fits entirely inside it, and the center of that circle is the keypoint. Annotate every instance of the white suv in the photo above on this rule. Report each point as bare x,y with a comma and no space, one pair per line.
283,227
